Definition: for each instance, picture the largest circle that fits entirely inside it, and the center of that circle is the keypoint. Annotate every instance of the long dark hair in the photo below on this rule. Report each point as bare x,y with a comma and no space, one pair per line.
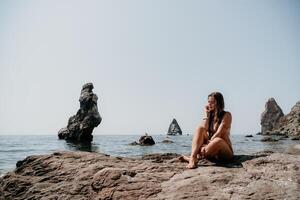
219,112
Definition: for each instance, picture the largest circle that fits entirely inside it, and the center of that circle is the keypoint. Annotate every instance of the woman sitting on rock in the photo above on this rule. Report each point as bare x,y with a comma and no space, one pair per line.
211,139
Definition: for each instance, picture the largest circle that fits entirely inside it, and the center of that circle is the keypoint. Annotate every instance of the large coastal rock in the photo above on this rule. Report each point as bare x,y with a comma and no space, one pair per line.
290,123
174,128
275,123
84,175
270,117
81,125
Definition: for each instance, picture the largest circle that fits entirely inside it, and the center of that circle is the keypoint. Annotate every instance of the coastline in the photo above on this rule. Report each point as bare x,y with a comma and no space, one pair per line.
14,148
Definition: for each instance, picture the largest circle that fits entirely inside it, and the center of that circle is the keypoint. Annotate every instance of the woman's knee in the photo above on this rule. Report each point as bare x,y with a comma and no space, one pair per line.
217,140
200,129
214,146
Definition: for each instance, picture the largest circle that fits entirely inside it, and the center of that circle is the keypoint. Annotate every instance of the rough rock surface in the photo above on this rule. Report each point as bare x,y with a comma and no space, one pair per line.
290,123
271,116
273,121
84,175
81,125
174,128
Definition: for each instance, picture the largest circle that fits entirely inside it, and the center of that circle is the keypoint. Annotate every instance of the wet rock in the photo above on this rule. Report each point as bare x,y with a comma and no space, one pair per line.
134,143
85,175
295,138
81,125
146,140
167,141
174,128
283,137
268,139
248,135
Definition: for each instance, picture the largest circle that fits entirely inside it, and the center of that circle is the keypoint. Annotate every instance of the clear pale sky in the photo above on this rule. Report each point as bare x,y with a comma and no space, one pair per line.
149,61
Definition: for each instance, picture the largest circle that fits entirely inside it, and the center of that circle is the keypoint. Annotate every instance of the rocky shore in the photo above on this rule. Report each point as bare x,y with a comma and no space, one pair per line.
85,175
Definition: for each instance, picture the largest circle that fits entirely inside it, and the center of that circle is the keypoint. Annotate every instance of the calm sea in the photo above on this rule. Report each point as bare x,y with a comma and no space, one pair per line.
18,147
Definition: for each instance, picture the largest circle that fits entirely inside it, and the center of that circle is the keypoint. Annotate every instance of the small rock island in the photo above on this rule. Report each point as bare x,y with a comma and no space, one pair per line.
174,128
81,125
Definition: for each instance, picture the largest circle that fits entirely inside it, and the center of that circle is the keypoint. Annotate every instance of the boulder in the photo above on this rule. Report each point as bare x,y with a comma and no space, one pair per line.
249,135
146,140
174,128
81,125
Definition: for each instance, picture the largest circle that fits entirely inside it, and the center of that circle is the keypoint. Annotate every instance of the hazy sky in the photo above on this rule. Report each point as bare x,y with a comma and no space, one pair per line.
150,61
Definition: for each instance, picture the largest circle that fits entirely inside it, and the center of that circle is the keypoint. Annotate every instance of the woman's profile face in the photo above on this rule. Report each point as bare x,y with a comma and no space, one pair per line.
212,103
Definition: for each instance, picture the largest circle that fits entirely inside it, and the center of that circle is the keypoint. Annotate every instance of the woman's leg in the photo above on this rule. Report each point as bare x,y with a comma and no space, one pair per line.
218,148
198,139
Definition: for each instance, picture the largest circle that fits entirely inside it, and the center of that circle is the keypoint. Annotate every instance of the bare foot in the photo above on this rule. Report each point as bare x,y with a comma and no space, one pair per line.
192,164
184,159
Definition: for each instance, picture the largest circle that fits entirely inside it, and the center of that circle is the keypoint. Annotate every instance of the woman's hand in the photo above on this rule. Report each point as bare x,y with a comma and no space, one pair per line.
202,151
207,111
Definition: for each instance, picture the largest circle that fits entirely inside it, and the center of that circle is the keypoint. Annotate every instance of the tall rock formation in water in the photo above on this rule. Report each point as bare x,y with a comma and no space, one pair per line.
81,125
174,128
271,116
273,121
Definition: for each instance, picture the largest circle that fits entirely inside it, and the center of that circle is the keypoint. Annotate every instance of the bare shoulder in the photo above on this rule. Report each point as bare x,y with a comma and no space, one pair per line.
227,117
227,114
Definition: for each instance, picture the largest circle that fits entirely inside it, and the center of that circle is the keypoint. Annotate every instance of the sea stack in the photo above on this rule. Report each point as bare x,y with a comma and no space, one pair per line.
174,128
270,117
81,125
273,122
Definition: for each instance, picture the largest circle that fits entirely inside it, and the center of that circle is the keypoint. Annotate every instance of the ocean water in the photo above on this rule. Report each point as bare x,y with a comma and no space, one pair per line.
17,147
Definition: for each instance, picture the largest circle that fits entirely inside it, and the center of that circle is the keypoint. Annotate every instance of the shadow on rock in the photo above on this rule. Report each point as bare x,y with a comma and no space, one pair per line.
237,161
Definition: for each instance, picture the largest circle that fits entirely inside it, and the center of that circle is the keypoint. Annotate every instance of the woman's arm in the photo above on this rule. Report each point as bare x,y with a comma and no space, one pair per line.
205,120
204,123
224,126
